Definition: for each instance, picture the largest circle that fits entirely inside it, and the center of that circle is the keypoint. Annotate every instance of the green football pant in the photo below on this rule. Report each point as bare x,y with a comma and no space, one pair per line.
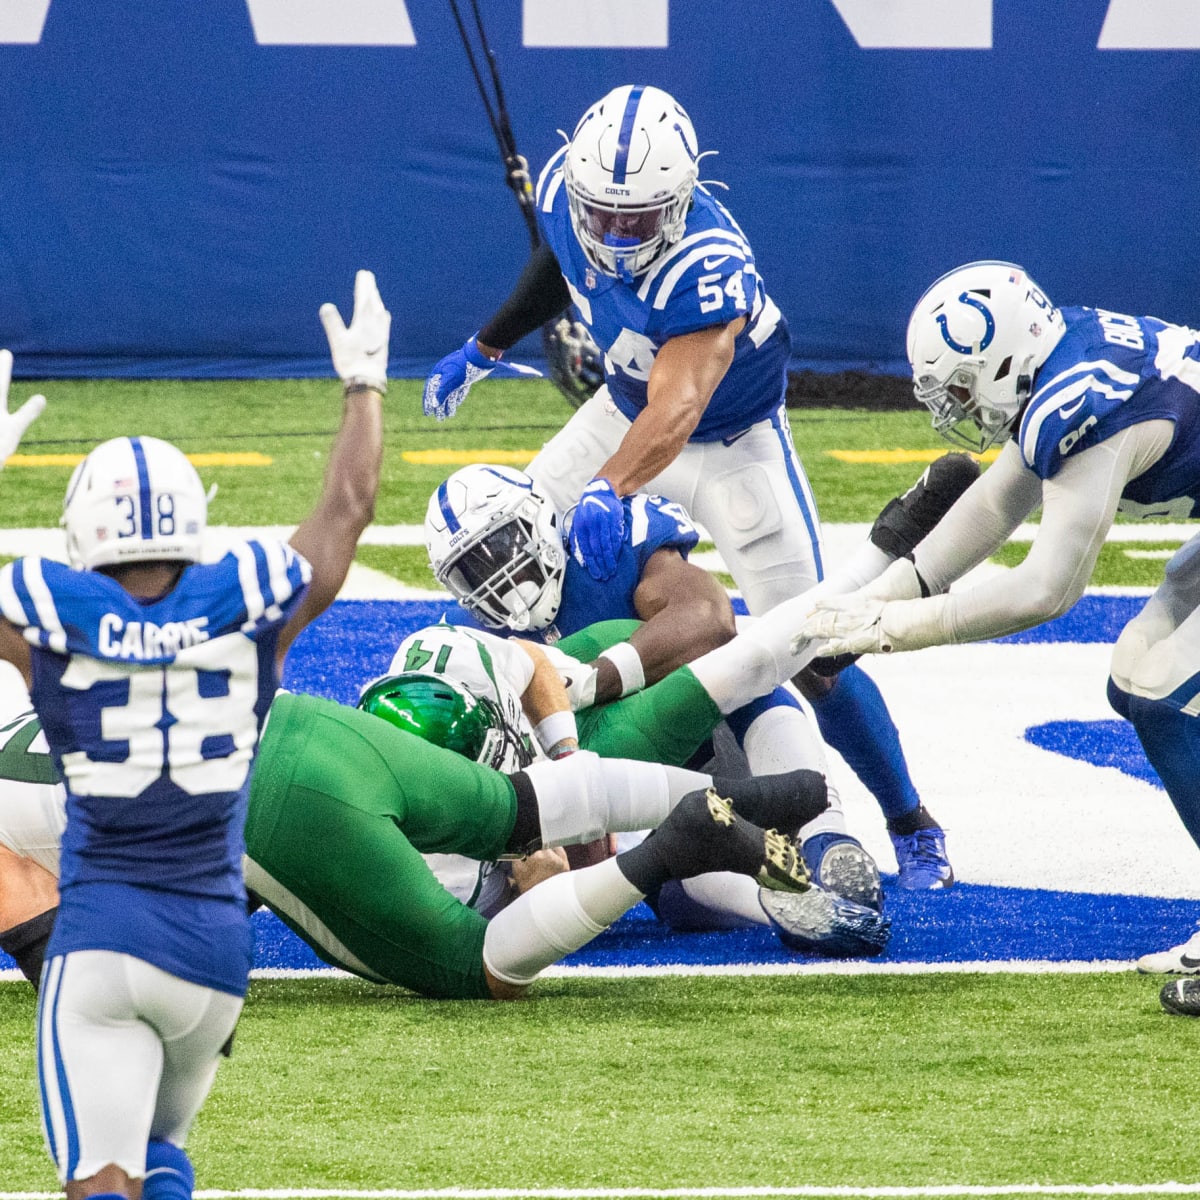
341,807
666,722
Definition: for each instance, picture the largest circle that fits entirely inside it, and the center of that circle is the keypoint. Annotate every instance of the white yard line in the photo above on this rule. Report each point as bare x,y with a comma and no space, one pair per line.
882,1192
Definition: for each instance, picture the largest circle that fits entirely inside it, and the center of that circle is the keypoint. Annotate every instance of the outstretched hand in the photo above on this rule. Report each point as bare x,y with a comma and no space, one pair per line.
455,375
598,529
360,350
846,624
13,425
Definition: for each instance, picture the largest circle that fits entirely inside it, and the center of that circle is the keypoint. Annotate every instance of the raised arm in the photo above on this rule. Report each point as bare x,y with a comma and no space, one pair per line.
13,645
329,536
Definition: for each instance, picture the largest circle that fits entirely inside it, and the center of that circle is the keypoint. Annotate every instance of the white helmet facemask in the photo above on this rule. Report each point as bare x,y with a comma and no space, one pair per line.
494,544
630,172
134,500
975,340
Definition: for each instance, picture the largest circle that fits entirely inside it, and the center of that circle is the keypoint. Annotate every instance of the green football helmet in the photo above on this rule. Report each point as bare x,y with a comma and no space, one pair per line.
433,708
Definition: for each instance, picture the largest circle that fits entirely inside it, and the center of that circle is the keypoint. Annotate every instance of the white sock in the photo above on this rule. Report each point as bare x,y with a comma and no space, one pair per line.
583,796
557,916
759,659
727,892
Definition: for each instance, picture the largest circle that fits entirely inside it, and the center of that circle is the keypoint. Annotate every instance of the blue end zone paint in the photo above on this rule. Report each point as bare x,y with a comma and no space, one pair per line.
1102,743
968,923
353,642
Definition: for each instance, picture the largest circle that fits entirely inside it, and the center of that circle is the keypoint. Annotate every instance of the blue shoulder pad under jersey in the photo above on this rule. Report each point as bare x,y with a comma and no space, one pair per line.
1109,372
651,524
707,278
252,589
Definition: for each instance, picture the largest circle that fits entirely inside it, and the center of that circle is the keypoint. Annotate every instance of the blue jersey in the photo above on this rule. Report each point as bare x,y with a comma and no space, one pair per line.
152,711
706,278
1108,372
651,524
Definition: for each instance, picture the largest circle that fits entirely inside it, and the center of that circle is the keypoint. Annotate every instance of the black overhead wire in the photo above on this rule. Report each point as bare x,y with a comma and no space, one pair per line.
515,165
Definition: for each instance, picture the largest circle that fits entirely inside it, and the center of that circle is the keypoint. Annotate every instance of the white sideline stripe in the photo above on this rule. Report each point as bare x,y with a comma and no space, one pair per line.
43,541
816,1193
1013,966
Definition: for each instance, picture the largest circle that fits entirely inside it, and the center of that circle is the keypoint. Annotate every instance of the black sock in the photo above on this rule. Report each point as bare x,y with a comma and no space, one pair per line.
909,822
27,943
691,842
786,801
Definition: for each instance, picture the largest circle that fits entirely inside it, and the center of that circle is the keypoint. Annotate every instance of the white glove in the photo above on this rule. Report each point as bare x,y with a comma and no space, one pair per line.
360,352
847,624
13,425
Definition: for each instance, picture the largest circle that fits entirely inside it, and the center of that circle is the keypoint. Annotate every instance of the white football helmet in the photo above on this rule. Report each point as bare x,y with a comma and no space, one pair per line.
975,340
630,172
494,543
134,499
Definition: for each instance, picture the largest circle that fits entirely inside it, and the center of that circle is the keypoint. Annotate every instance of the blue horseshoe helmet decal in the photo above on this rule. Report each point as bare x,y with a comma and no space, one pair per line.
988,333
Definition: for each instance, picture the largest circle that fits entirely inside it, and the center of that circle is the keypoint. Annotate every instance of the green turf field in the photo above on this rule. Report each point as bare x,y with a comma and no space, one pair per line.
937,1080
863,1082
292,422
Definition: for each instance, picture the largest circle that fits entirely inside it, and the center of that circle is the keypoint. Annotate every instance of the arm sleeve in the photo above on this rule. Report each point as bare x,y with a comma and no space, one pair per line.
541,294
1078,507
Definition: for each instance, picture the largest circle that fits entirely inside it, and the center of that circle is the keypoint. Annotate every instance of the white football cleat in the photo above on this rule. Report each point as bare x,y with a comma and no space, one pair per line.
1179,960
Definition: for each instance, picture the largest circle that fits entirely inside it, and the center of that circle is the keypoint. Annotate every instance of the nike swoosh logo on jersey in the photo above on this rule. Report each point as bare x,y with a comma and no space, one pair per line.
709,263
1068,413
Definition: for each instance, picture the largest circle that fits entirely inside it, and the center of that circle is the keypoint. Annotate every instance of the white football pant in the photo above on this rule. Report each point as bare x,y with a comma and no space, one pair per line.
126,1052
751,496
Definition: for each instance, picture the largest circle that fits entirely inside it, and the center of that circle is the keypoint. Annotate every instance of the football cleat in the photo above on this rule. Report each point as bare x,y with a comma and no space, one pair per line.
921,857
819,922
703,833
1181,997
1183,959
783,867
839,864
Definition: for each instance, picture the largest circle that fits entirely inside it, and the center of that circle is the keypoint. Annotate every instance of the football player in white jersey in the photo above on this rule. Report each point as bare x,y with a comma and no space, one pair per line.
692,407
151,665
1098,413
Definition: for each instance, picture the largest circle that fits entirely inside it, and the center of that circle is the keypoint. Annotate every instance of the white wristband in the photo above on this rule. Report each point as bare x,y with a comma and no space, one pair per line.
625,658
555,728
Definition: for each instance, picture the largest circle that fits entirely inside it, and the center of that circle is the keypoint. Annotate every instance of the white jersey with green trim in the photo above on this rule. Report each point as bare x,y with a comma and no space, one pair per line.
485,666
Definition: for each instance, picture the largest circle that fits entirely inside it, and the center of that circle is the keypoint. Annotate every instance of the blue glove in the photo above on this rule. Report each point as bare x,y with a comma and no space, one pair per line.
598,529
451,380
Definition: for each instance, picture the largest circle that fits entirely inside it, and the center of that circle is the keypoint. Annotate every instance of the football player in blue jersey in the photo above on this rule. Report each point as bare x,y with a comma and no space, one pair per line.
692,407
151,665
498,545
1097,413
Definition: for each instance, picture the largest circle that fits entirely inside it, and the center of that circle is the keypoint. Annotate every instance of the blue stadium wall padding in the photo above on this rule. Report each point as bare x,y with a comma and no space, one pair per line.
177,198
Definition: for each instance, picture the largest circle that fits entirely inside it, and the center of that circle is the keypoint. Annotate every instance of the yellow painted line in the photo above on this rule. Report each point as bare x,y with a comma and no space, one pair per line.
464,458
889,457
236,458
